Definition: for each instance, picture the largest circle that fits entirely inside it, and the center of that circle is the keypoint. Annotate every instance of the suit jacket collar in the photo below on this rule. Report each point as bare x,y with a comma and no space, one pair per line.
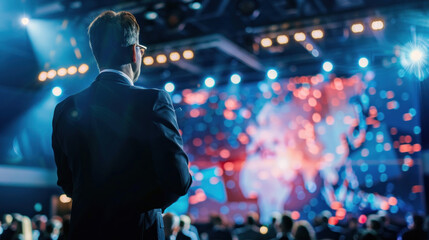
114,75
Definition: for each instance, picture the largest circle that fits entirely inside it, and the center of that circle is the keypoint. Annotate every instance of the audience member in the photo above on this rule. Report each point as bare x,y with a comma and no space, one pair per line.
250,230
324,231
171,224
184,232
39,226
352,230
302,230
65,230
285,227
416,231
219,231
274,225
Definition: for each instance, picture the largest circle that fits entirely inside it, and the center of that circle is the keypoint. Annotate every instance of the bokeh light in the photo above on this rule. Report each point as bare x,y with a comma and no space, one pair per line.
83,68
188,54
235,78
72,70
327,66
209,82
363,62
57,91
169,87
272,74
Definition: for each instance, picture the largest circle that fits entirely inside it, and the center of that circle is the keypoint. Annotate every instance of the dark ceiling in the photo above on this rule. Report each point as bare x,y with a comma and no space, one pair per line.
224,34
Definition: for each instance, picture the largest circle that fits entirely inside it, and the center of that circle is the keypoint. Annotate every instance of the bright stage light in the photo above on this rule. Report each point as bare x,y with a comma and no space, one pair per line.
161,58
148,60
266,42
377,25
209,82
151,15
72,70
195,5
174,56
43,76
416,55
57,91
235,78
363,62
62,72
64,199
188,54
52,73
413,57
282,39
25,21
357,28
328,66
299,36
169,87
272,74
83,68
317,34
309,47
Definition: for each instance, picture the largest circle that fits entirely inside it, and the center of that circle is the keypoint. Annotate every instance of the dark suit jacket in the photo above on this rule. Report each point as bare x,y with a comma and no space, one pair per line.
119,156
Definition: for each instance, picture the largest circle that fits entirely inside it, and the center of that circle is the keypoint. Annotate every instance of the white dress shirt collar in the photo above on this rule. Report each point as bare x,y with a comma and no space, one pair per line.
120,73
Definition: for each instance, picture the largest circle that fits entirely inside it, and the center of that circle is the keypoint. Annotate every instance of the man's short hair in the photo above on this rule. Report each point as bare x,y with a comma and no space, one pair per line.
109,35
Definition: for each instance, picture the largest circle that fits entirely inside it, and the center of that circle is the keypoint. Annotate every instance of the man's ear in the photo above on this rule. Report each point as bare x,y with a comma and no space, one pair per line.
134,53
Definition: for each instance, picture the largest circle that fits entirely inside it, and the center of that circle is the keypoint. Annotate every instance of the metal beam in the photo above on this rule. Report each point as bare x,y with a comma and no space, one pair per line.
213,41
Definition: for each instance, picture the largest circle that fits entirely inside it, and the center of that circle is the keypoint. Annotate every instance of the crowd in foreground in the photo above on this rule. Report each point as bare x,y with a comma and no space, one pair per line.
282,227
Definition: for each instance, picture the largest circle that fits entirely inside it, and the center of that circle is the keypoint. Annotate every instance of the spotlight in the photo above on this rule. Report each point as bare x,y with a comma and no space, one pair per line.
42,76
62,72
169,87
72,70
195,5
315,53
266,42
150,15
272,74
25,21
357,28
317,34
328,66
299,36
161,58
235,78
174,56
83,68
52,73
57,91
188,54
416,55
148,60
377,25
309,47
209,82
282,39
363,62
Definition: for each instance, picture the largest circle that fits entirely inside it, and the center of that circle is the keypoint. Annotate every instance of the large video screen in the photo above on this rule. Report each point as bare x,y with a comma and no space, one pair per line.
303,144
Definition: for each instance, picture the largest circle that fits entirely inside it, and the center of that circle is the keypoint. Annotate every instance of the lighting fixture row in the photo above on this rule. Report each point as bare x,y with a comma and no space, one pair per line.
173,56
72,70
282,39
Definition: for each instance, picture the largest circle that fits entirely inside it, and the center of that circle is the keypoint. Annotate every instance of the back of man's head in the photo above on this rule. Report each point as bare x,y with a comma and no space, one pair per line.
110,34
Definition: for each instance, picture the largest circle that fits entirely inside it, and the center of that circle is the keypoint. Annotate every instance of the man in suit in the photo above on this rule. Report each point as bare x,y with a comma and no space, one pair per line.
117,147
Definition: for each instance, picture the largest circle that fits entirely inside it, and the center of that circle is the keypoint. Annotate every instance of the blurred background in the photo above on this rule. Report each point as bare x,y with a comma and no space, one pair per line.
298,105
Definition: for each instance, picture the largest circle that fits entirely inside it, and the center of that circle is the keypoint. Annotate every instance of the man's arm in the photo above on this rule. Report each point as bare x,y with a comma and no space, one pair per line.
65,180
169,159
